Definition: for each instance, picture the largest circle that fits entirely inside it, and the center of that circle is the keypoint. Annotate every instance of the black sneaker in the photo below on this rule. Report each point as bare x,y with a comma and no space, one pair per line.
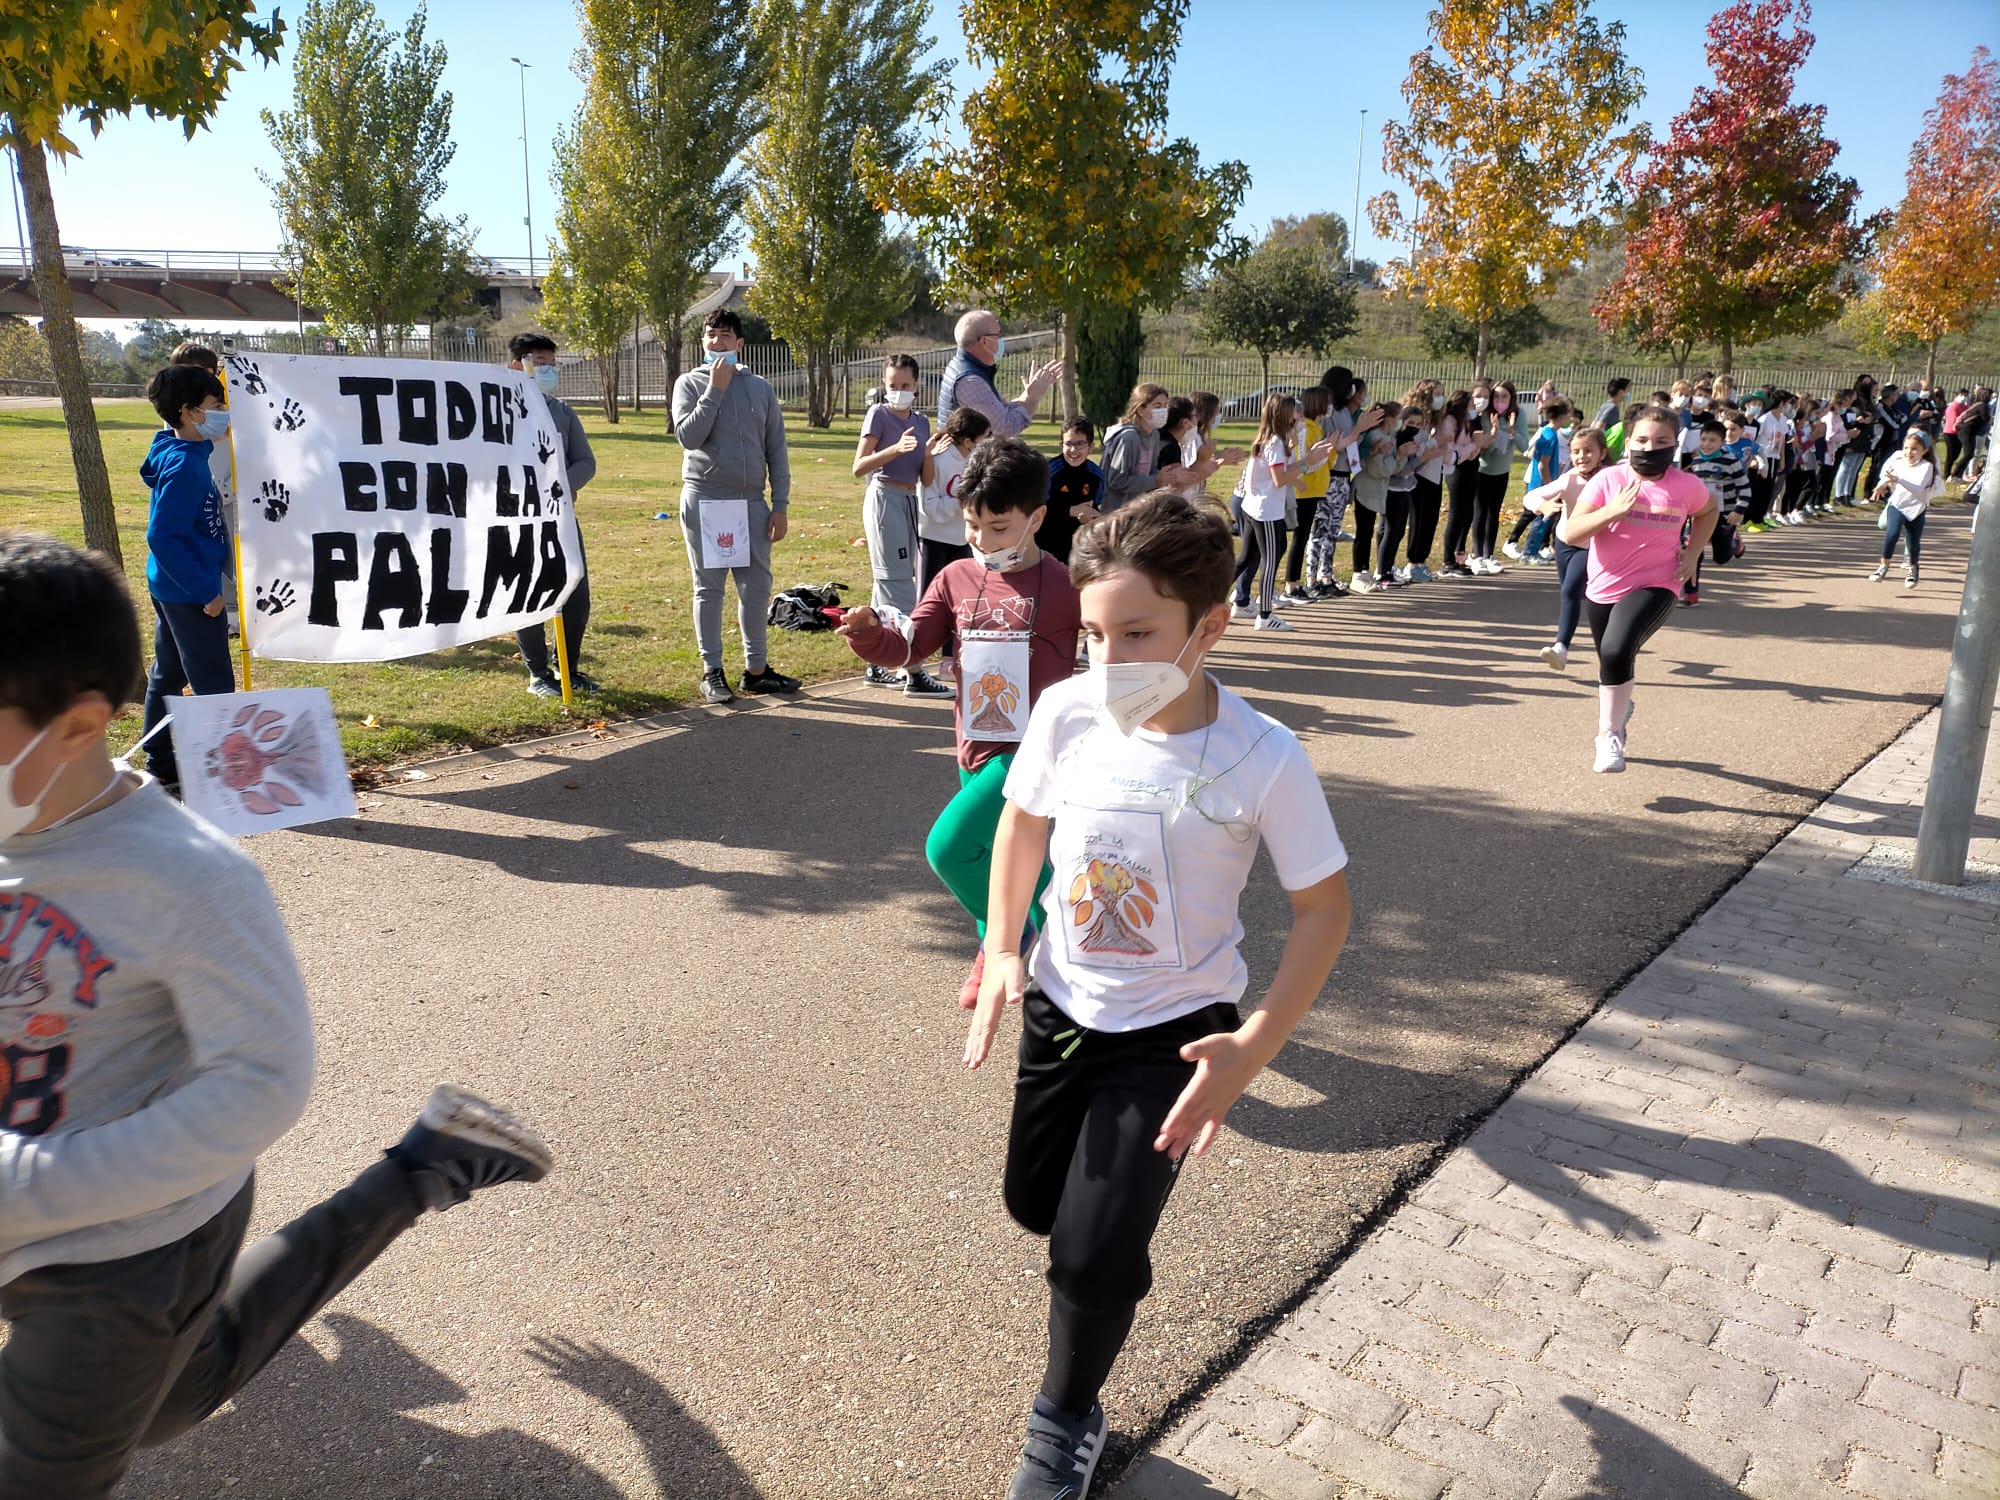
462,1143
882,677
920,684
544,687
770,680
1059,1456
715,687
583,682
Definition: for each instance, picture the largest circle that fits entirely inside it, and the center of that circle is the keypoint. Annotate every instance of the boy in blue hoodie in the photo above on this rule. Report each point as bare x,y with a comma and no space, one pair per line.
187,552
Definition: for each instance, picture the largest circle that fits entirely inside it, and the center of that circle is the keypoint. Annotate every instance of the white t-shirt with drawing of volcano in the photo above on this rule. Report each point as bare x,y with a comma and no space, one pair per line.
1142,907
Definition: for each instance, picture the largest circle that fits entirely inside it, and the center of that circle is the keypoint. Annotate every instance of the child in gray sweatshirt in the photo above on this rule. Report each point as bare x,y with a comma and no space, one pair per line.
154,1039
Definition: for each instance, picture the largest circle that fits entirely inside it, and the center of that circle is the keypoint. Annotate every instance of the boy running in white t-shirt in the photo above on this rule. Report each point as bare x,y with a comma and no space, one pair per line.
1147,785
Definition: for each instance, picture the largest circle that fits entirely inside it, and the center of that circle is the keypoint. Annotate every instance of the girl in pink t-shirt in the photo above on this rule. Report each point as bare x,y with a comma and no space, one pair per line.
1633,517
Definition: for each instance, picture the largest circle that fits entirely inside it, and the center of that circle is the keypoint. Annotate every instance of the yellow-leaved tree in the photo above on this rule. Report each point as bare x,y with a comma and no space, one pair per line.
97,59
1511,154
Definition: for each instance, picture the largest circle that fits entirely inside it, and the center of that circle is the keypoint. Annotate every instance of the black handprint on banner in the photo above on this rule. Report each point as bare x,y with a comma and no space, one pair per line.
246,371
277,500
290,418
521,402
542,448
555,496
278,598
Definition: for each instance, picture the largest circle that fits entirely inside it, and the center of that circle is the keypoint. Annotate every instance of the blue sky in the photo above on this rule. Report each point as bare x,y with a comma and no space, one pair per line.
1278,84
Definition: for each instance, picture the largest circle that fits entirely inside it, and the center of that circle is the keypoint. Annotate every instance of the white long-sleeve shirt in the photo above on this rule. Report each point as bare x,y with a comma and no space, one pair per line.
1912,487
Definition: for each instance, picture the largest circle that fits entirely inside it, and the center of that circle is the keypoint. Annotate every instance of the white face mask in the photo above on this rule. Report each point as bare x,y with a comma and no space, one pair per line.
1479,403
1437,403
900,400
1001,561
15,814
1131,692
1699,403
1156,417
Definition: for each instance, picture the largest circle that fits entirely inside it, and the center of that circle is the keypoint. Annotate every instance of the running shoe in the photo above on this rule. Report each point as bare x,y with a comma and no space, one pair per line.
1419,573
1755,528
1279,601
1297,595
1556,657
1272,622
920,684
1391,581
1910,578
1362,583
1610,754
1513,550
462,1143
1343,536
1879,574
1548,554
1060,1455
1454,570
583,682
715,687
544,686
1237,611
770,680
1690,597
968,992
881,677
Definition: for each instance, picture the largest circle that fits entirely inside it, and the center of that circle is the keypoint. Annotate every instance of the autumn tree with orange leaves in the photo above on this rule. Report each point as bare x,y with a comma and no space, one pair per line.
1740,229
1511,154
1940,265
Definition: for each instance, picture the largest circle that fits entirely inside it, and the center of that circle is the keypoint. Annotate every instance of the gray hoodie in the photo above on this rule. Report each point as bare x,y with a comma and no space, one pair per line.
733,440
154,1028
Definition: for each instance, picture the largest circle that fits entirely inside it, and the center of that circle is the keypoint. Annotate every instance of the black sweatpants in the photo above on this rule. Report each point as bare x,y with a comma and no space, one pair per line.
1263,550
1295,558
1424,502
1486,502
1364,537
105,1358
190,649
1395,521
1622,627
1082,1170
534,640
1464,483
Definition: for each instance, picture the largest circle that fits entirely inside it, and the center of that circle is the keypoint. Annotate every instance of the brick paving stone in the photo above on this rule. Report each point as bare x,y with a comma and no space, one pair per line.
1741,1229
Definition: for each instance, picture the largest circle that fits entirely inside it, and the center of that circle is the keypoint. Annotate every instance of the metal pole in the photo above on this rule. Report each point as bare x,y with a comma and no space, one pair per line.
527,189
1945,831
1354,229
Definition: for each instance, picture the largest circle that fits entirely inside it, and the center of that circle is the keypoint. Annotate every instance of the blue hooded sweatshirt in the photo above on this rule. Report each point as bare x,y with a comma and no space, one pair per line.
186,542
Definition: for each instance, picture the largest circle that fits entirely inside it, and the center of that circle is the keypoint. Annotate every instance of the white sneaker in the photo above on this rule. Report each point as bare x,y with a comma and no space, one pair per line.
1556,657
1513,550
1610,754
1879,574
1237,611
1910,579
1272,622
1279,601
1361,583
1403,575
1548,554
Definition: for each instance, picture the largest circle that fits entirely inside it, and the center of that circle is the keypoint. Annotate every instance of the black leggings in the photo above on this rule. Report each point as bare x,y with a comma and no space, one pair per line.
1622,627
1295,558
1486,502
1364,537
1082,1170
1395,521
1464,481
1760,498
1424,502
1263,550
1951,448
1573,574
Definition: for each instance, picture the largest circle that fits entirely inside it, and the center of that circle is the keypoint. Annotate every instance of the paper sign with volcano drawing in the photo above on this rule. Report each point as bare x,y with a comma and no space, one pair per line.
1118,905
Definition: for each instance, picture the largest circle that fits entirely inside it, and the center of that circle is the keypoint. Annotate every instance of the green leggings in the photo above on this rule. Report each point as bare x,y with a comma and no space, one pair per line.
960,846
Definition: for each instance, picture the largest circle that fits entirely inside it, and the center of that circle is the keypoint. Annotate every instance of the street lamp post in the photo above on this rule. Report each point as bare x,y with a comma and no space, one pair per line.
527,189
1354,229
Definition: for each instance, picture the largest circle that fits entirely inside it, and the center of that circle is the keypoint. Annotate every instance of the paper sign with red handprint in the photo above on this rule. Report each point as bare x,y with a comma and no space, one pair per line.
255,762
993,679
725,532
1117,908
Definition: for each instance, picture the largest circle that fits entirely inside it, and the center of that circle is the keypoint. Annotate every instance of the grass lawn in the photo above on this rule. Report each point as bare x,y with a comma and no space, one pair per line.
641,639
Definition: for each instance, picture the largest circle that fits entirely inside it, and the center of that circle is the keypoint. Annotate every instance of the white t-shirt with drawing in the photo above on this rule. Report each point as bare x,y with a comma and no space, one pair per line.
939,518
1142,909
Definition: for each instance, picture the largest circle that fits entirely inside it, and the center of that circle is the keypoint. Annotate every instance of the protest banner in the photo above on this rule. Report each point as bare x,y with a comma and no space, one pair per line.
255,762
391,507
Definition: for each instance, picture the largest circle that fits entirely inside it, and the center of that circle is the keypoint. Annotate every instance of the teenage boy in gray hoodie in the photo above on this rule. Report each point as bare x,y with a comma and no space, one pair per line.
154,1039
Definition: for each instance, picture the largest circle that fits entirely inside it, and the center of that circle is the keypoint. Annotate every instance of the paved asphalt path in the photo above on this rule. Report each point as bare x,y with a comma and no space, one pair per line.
706,957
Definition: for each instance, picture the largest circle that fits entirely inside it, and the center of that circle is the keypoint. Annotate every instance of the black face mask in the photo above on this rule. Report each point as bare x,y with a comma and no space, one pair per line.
1649,463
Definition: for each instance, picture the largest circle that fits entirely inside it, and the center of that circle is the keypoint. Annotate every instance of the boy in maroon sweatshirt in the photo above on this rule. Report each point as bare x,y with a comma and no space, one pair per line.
1011,616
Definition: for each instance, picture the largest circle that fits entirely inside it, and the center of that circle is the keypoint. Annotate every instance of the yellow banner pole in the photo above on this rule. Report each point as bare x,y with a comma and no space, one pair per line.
236,539
562,656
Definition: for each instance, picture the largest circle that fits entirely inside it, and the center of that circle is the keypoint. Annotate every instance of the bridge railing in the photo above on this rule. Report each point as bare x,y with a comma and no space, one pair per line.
96,263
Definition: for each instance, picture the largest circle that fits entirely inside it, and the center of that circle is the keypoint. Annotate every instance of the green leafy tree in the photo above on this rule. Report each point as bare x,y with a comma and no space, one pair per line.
842,73
677,85
1109,343
1871,323
1448,336
592,295
1066,192
1278,299
98,59
1322,233
153,343
363,152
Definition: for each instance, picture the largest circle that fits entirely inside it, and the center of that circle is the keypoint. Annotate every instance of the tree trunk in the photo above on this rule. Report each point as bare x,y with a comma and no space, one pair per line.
1071,405
1479,359
86,450
1728,355
607,370
1930,365
636,407
670,346
1264,386
1681,353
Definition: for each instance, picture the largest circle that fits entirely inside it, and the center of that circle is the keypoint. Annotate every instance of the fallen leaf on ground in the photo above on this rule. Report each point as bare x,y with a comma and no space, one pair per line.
371,722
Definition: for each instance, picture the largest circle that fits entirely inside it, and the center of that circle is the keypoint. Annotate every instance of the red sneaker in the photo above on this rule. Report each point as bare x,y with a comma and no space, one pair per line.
968,993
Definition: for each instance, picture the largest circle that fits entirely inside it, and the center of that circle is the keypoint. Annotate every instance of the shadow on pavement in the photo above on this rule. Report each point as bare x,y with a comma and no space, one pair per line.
278,1439
1632,1464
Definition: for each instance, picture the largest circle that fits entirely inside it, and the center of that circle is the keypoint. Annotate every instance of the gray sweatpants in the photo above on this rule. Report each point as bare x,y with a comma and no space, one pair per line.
753,587
889,519
105,1358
